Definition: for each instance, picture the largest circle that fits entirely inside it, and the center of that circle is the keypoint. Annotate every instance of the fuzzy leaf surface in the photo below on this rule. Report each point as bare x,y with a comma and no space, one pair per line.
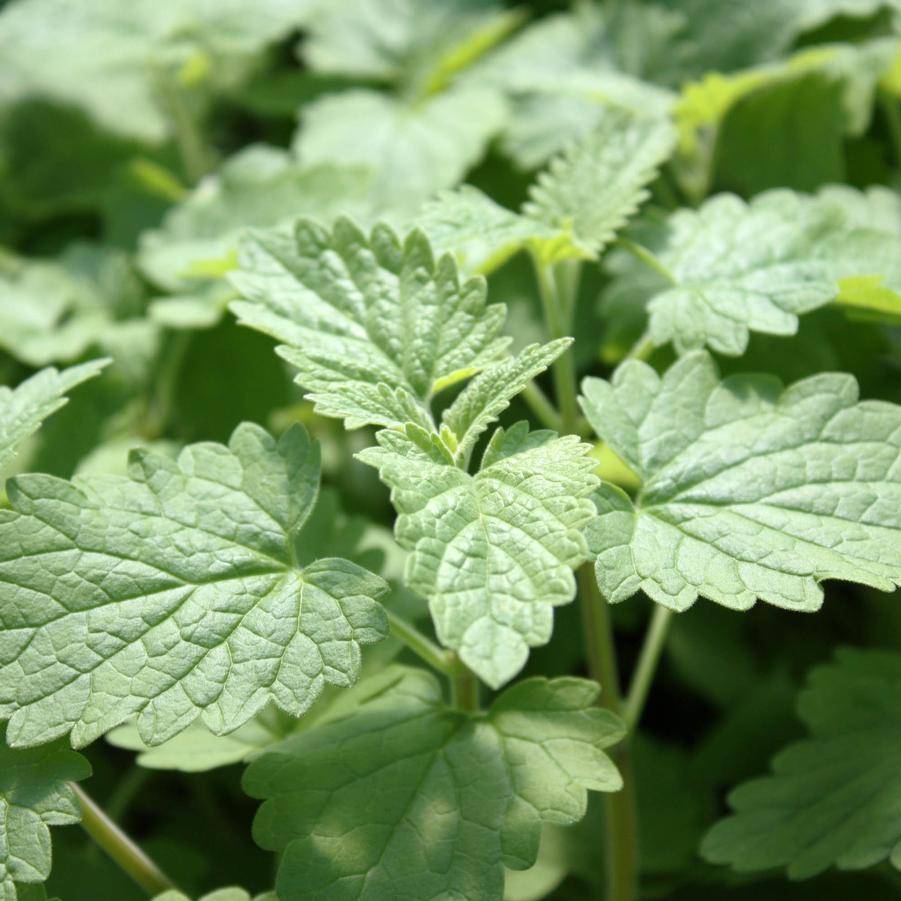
409,799
24,408
732,267
493,552
175,593
576,206
375,325
748,490
832,799
34,795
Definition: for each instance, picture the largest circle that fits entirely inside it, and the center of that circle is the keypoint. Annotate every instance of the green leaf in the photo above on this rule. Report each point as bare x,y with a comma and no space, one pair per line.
374,325
175,593
197,749
832,800
222,894
748,491
732,267
23,409
55,310
482,401
575,207
33,796
112,62
421,44
411,799
414,149
258,187
493,552
564,78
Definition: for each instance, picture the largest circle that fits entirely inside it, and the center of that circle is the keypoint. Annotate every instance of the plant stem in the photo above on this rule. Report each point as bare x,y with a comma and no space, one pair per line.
563,369
120,847
422,645
620,808
543,409
646,257
160,406
642,348
654,640
464,688
890,109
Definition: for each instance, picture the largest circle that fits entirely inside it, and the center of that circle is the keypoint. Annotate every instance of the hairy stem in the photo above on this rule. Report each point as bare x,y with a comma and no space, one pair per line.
120,847
620,808
654,640
563,370
421,645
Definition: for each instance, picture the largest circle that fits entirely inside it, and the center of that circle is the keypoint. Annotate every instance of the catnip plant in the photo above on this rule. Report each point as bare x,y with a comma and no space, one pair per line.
484,451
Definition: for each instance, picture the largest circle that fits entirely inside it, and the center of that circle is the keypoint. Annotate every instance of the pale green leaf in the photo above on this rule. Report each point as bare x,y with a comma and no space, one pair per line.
409,799
222,894
564,78
482,401
23,409
53,310
374,325
259,187
110,59
493,552
748,490
414,149
575,207
731,267
175,593
422,44
832,799
33,796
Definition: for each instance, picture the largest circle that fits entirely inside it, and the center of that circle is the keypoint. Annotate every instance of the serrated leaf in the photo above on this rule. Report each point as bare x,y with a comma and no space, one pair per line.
748,490
732,267
575,207
175,593
110,63
482,401
832,799
33,796
413,149
259,187
410,799
493,552
23,409
374,325
223,894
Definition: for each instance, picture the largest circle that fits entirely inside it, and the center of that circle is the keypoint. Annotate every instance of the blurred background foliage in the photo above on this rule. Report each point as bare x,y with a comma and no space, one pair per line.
138,139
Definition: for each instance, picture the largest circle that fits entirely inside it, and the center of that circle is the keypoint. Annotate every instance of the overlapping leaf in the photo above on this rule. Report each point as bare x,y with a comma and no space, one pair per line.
493,552
113,61
259,187
23,409
414,149
222,894
374,325
575,207
174,593
34,795
748,491
832,799
409,799
732,267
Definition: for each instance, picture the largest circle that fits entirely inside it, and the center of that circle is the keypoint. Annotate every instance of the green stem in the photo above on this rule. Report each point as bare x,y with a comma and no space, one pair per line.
160,406
642,348
543,409
464,688
646,257
126,791
890,109
421,645
620,808
120,847
563,369
654,640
